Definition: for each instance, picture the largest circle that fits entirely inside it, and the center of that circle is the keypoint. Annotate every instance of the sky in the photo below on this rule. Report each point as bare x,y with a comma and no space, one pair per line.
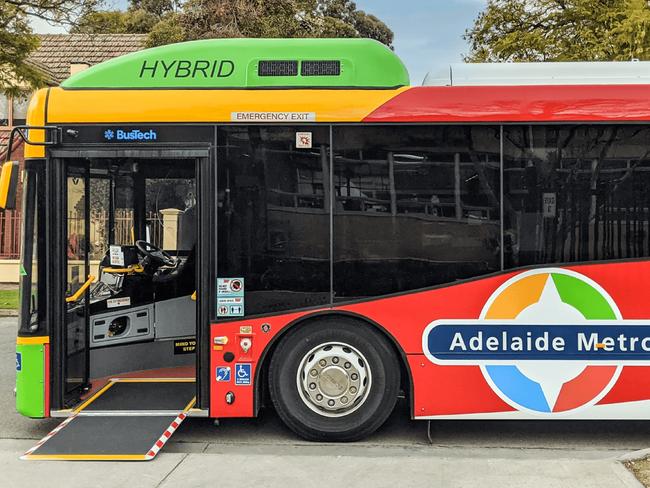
428,33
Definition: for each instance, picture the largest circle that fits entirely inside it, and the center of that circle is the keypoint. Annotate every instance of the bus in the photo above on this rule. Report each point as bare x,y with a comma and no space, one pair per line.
219,226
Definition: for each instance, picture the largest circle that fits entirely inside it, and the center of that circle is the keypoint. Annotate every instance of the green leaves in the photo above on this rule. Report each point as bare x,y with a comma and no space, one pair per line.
560,30
167,23
17,74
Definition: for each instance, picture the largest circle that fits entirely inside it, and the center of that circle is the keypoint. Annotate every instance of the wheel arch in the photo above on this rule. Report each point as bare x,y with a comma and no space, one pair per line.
261,371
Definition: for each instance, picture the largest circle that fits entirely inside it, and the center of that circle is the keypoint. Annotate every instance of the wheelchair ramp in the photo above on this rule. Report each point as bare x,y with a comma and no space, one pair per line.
127,420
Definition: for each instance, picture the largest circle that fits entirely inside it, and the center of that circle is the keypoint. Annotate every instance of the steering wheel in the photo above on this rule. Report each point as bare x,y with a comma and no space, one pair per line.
155,253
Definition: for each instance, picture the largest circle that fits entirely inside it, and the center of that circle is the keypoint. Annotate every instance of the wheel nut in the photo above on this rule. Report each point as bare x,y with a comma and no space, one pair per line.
322,362
312,386
354,376
335,360
344,400
353,389
347,365
313,373
319,397
331,403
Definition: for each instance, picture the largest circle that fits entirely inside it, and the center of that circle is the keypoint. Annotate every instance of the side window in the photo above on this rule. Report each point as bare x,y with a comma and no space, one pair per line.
414,207
273,225
575,193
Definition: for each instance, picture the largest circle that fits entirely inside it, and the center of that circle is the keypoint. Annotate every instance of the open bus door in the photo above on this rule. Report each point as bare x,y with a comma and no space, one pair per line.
120,391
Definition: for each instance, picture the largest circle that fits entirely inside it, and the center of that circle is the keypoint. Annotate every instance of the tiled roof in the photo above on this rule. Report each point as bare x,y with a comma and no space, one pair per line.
58,51
49,75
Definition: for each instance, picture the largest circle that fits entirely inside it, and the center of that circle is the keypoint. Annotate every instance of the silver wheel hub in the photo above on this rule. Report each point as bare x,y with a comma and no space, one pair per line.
333,379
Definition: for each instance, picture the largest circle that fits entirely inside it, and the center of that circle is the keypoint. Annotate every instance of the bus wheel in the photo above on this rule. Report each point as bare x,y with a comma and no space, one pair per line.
334,379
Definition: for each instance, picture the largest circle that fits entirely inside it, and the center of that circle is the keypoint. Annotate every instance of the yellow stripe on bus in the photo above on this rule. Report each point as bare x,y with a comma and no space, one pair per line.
32,340
179,106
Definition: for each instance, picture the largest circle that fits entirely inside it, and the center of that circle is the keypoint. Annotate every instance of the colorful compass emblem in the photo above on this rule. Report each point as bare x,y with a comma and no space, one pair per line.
550,297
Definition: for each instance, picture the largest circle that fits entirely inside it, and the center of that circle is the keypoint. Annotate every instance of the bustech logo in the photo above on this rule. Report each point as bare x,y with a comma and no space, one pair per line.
130,135
547,341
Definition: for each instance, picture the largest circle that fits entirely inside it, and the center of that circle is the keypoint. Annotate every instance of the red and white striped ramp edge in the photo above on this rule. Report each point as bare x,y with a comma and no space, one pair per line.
158,445
50,435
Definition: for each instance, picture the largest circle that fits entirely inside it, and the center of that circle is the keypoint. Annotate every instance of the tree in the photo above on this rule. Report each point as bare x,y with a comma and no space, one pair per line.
560,30
141,17
167,22
17,40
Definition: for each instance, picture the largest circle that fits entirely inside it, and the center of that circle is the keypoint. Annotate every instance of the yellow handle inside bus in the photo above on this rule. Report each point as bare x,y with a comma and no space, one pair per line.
134,268
77,295
9,185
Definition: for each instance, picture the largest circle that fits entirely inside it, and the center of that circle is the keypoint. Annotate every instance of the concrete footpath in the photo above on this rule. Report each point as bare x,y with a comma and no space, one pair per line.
325,465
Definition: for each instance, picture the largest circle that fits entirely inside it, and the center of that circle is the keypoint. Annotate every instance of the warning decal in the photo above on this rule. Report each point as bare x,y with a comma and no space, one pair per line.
230,297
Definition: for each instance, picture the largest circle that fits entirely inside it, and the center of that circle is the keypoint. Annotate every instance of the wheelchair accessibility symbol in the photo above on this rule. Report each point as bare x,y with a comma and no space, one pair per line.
243,374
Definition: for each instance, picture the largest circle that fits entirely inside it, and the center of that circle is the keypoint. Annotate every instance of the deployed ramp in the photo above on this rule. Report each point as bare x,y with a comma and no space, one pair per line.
127,420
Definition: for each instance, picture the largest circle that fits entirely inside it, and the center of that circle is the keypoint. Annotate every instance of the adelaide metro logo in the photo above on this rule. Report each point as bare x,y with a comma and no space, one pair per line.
547,341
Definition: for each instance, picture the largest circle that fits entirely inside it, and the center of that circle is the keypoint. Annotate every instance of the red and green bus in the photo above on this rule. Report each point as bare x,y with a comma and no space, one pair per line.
289,223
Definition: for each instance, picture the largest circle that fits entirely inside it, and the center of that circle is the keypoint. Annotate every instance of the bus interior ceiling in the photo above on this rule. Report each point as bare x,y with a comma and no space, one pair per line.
131,224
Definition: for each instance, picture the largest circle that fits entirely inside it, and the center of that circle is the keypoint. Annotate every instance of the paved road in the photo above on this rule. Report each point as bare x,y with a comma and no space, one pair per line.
263,453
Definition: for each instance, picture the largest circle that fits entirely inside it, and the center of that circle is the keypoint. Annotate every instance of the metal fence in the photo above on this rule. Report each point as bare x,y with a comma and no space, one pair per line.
10,234
10,231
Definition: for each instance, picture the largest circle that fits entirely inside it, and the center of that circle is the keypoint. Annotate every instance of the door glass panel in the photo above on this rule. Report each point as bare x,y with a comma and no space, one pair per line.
29,271
76,374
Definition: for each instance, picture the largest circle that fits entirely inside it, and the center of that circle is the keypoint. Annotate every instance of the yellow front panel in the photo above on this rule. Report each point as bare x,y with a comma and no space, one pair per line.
177,106
36,116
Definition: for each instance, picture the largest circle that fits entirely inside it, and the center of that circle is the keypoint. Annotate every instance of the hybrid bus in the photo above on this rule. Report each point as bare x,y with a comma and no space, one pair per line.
217,226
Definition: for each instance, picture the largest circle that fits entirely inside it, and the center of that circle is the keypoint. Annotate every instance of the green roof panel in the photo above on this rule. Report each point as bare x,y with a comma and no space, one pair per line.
236,63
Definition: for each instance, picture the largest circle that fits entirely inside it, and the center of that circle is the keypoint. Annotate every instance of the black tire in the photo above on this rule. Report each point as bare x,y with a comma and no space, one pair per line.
379,400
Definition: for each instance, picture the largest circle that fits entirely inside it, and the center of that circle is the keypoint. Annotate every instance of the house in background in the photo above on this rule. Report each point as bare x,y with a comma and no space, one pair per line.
58,57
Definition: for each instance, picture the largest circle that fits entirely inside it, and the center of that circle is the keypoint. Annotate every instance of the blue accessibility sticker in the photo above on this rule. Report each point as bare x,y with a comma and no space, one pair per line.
223,373
243,374
19,361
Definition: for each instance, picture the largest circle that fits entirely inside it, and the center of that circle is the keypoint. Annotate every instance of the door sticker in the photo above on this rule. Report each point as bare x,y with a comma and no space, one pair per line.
230,297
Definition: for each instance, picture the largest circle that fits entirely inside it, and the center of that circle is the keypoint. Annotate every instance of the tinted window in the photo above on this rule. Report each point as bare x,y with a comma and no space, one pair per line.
273,219
414,207
576,193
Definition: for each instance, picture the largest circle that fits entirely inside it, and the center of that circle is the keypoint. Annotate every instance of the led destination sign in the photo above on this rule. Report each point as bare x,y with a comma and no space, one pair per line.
494,342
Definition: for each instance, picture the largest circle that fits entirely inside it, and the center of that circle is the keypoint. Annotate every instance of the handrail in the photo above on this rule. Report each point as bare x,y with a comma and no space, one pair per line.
20,130
80,291
134,268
